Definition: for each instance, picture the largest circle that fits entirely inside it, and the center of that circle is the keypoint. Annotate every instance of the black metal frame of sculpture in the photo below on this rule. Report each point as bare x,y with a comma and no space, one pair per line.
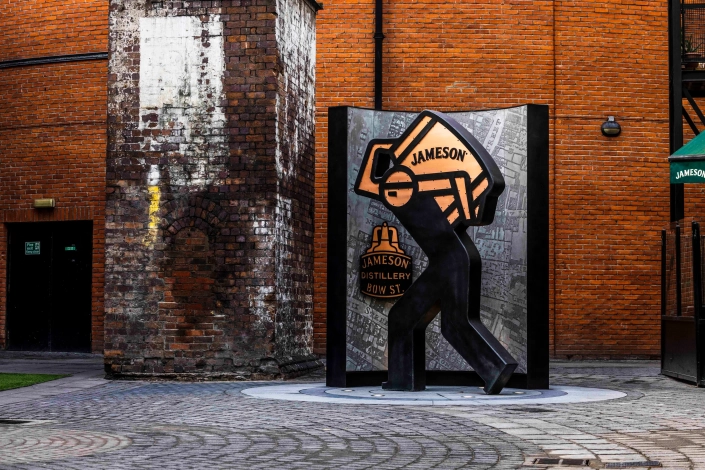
438,180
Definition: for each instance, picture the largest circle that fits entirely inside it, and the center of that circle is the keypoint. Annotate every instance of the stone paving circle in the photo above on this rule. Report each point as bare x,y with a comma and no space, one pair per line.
432,396
24,444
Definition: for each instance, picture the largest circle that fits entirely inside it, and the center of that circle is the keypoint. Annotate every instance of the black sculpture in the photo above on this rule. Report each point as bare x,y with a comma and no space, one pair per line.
438,180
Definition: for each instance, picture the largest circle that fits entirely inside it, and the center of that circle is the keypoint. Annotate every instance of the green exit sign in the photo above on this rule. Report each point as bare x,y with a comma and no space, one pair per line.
70,248
31,248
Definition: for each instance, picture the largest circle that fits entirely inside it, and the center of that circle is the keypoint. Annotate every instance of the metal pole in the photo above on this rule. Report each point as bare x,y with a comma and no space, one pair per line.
679,307
675,100
664,297
697,300
379,37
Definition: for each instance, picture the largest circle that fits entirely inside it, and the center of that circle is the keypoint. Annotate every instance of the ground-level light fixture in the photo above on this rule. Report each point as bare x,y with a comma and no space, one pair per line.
611,128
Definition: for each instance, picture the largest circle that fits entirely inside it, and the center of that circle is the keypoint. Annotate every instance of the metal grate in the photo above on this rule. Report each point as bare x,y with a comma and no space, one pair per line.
531,410
687,300
547,461
693,30
562,462
646,463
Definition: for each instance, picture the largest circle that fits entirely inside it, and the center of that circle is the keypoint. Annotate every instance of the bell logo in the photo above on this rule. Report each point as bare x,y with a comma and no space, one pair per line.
385,270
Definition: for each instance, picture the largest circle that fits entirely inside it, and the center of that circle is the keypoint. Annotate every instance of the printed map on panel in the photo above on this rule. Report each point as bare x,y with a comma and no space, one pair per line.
502,245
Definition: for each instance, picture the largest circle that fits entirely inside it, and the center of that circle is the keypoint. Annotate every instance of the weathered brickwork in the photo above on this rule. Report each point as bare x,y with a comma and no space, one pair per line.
586,60
52,127
295,149
210,198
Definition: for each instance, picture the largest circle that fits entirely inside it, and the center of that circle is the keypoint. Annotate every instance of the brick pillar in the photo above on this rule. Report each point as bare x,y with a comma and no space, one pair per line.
209,218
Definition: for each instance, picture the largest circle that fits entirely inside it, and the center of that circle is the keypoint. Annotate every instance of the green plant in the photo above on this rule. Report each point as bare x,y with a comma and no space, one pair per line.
687,44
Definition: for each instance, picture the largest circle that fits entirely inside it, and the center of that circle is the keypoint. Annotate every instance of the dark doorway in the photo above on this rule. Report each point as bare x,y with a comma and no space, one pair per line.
49,286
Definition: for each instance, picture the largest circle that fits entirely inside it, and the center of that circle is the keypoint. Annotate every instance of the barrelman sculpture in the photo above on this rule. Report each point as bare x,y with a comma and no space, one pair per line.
438,180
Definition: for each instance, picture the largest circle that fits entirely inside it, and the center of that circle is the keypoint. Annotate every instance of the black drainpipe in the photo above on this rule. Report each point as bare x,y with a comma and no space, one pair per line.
379,37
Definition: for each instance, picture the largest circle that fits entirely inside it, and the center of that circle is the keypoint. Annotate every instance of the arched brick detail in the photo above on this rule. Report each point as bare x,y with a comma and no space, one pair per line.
195,211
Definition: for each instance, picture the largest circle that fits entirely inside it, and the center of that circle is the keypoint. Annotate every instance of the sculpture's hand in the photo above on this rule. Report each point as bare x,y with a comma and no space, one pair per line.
373,167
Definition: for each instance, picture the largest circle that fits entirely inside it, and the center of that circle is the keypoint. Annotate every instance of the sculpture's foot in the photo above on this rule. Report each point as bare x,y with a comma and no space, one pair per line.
403,387
496,383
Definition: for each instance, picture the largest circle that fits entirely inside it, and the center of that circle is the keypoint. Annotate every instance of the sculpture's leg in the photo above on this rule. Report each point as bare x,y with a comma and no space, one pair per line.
408,319
481,350
461,325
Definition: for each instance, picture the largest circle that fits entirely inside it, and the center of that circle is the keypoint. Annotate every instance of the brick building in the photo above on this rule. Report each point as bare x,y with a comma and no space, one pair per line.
220,173
587,60
53,102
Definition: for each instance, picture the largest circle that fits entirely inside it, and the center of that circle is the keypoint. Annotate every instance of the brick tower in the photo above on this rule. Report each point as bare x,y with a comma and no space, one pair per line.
209,216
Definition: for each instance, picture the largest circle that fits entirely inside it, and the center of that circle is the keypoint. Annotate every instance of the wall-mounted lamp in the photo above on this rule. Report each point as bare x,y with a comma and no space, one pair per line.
611,128
46,203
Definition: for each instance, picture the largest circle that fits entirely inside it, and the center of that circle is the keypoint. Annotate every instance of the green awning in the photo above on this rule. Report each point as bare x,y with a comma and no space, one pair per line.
688,162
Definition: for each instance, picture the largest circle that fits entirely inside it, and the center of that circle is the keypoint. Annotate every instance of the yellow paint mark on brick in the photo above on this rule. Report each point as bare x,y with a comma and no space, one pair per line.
154,197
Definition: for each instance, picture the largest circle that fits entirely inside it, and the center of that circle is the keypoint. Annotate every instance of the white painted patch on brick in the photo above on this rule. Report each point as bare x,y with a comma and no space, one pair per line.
153,176
296,37
295,32
181,89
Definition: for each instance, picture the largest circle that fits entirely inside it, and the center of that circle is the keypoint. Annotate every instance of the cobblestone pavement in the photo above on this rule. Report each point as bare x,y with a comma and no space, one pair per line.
139,425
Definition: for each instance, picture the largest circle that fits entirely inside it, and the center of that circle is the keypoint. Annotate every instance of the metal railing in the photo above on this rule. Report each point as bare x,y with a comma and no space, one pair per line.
682,320
677,271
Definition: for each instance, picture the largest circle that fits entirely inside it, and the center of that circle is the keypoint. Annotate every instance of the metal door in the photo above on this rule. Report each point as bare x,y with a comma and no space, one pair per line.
49,286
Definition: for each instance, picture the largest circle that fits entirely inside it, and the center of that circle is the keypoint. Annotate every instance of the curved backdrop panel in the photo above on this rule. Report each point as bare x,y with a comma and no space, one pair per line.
514,248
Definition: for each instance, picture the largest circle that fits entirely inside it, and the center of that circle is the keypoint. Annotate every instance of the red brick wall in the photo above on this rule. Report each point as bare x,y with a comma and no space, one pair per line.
344,76
52,126
52,27
586,60
611,195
